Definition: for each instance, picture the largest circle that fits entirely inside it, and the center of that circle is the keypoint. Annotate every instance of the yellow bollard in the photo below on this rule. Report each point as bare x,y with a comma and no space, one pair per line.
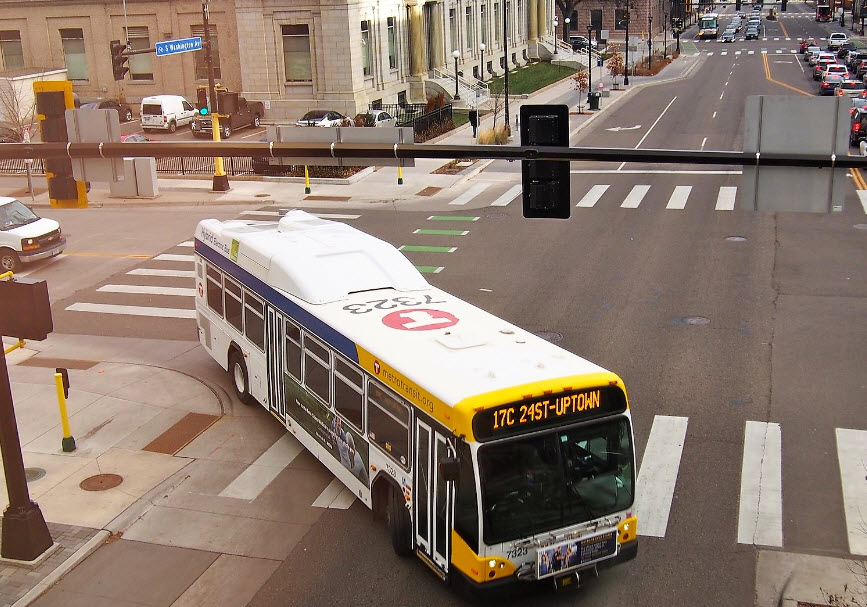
20,344
306,180
68,442
399,175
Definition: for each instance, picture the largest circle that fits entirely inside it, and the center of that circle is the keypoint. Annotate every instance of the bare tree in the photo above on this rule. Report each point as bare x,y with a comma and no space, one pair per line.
582,83
615,62
17,105
497,103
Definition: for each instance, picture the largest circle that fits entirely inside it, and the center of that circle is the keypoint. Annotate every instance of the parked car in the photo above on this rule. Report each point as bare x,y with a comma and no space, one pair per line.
850,87
323,118
136,138
858,127
248,113
8,135
836,39
26,237
581,42
375,118
829,83
166,112
124,111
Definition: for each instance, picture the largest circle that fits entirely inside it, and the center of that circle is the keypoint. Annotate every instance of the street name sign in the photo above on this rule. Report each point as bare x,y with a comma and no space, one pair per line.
185,45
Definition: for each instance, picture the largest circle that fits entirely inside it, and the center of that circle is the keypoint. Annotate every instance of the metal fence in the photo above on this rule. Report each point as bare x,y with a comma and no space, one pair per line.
414,115
195,165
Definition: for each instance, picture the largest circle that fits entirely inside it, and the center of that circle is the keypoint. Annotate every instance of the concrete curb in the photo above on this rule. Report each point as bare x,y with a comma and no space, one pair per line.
64,568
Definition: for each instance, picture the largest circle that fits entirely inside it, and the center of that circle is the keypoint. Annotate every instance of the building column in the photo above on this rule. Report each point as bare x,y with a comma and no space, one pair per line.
417,55
532,20
438,42
543,17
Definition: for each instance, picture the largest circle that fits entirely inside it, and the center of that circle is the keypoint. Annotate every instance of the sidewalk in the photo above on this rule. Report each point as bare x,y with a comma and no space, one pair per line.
157,414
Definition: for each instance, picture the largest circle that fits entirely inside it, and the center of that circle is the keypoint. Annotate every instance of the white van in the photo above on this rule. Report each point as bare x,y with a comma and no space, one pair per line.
166,112
25,237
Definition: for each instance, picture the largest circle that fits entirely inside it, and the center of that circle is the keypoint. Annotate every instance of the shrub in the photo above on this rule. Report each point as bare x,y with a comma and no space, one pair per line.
434,131
495,136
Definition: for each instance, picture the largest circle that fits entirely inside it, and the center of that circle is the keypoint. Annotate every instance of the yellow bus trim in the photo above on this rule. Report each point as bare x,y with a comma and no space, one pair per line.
475,567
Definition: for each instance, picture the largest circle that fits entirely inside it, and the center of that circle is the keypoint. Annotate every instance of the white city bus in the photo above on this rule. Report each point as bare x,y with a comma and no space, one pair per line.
708,25
494,455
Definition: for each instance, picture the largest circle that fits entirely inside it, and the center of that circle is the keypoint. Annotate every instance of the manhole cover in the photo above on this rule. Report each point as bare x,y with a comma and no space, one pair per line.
33,474
551,336
496,215
101,482
695,320
262,195
736,238
861,226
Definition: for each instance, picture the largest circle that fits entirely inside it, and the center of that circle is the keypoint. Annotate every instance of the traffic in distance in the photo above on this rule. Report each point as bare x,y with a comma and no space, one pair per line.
508,461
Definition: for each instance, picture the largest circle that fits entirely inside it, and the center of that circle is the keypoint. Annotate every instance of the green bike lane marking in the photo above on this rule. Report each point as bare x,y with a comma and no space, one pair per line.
429,269
413,248
435,249
452,218
442,232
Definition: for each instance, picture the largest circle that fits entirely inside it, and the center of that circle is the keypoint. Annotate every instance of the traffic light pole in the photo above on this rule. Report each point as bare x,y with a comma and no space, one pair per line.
221,180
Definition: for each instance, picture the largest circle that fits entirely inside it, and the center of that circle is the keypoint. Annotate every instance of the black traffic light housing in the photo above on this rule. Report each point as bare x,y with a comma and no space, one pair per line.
51,108
202,101
118,59
783,5
227,102
546,187
25,311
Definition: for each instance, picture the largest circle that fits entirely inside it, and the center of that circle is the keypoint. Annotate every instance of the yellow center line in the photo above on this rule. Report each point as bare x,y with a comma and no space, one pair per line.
788,86
125,255
858,178
782,27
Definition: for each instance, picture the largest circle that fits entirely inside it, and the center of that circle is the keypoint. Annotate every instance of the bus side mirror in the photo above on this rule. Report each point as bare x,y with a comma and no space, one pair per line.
449,469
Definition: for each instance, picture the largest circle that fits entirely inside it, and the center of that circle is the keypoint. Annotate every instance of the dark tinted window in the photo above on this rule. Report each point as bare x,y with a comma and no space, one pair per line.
314,115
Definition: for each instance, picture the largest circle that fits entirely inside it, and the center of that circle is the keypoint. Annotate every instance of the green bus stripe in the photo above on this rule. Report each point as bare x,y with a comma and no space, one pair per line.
442,232
452,218
425,249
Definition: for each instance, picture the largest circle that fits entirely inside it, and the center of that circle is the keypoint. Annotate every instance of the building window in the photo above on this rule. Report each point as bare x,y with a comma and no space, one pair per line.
10,49
453,28
469,16
296,53
483,15
141,67
596,19
201,64
365,47
392,44
573,21
620,19
498,22
522,21
72,40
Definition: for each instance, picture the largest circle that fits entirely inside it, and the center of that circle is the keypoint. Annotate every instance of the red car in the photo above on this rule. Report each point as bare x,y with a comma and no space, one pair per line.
807,43
136,138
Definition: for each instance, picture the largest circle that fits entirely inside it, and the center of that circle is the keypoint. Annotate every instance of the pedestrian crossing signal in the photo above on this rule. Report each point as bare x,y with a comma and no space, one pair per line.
202,101
546,186
783,5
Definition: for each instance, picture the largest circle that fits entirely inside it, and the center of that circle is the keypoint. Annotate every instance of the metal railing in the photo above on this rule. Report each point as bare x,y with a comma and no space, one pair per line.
470,90
192,165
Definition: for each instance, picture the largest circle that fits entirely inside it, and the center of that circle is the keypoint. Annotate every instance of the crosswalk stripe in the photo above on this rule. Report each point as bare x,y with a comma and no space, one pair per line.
658,475
724,53
751,52
258,475
862,196
467,196
710,53
171,257
779,52
737,52
335,495
131,310
760,513
148,290
852,457
635,196
678,197
186,243
508,197
726,199
157,272
592,197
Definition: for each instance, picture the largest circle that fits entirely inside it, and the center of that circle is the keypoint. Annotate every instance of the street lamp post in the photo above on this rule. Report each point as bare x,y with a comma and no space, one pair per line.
457,55
664,35
556,23
482,48
589,65
626,59
506,66
649,42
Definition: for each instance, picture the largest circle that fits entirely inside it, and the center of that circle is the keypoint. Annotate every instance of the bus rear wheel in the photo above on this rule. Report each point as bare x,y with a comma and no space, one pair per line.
240,378
399,524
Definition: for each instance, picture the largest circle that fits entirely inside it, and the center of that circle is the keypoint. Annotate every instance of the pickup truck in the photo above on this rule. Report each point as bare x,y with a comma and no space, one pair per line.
249,114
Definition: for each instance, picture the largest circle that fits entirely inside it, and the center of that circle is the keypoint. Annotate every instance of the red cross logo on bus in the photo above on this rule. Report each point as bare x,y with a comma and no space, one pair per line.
419,319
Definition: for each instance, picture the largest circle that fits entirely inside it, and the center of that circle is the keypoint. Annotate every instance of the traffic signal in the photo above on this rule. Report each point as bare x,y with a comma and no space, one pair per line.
118,59
202,101
227,103
737,5
52,100
783,5
546,188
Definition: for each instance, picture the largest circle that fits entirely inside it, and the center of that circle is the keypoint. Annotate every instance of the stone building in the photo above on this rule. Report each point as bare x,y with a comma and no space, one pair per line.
294,55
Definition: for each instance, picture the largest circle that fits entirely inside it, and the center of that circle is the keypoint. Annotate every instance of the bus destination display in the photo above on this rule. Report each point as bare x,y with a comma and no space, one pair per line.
548,410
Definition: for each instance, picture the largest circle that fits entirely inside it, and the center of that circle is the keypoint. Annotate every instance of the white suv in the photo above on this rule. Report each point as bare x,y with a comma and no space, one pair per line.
837,39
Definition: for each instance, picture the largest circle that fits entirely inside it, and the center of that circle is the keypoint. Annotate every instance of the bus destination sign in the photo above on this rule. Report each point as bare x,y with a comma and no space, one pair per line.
548,410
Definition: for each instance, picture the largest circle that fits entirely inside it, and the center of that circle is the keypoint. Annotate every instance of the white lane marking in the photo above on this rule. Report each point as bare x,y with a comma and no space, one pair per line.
852,456
704,141
508,197
592,197
132,310
726,199
721,95
760,512
779,51
635,196
655,122
714,115
651,172
737,53
462,233
710,53
467,196
862,196
156,272
186,243
282,212
258,475
678,197
751,52
148,290
335,496
170,257
724,53
658,475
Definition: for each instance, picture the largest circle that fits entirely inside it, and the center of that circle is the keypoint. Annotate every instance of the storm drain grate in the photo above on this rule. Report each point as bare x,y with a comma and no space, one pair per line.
736,238
428,191
33,474
58,363
552,336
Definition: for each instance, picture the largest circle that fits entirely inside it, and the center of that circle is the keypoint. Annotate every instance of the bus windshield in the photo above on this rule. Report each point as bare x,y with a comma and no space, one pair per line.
555,479
708,23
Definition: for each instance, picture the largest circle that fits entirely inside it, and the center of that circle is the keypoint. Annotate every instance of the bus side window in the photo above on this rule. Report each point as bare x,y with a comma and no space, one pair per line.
215,290
233,305
254,319
348,393
293,350
317,368
388,422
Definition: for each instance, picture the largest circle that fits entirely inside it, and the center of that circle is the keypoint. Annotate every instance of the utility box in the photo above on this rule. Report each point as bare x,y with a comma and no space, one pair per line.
139,179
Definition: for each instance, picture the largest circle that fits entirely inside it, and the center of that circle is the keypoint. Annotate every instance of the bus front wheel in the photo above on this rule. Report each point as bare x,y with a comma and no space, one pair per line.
240,378
399,524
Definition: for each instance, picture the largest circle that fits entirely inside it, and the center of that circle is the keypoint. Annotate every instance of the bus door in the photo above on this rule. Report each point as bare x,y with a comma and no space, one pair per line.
275,345
434,498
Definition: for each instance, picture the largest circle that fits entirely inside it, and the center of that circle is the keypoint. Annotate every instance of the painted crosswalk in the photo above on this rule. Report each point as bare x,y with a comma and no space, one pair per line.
760,515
